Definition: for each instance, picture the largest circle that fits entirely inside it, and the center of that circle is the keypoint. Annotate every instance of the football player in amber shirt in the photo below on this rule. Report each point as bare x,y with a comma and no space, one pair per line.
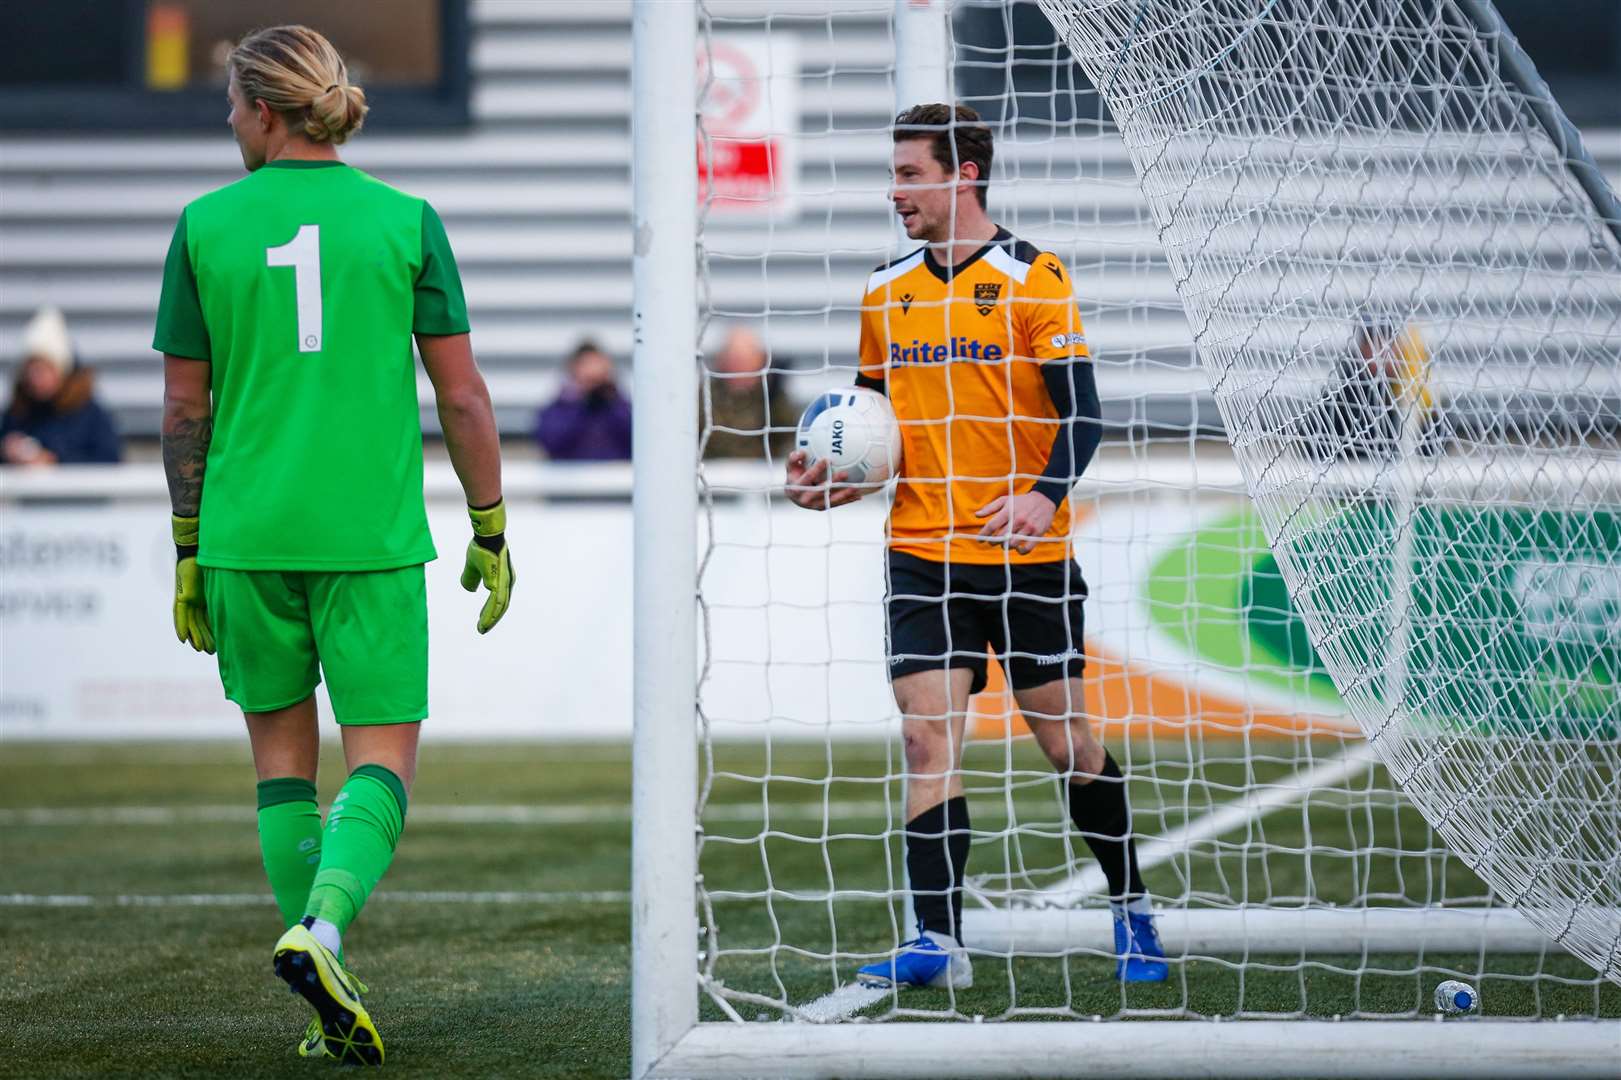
976,339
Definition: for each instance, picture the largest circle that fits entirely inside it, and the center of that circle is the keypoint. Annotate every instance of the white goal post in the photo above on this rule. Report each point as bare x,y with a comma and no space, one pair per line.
664,921
696,545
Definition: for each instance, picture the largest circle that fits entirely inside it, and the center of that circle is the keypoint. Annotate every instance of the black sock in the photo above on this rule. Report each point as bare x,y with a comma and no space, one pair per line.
936,855
1100,811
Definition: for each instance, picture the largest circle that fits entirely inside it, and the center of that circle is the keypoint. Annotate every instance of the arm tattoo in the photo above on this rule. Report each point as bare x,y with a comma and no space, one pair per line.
185,456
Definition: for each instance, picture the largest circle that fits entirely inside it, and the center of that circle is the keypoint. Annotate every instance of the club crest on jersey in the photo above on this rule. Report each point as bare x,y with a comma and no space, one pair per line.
985,294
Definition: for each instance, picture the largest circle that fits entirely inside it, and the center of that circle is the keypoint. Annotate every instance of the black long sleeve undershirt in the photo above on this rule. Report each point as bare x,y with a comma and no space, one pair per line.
1074,390
870,382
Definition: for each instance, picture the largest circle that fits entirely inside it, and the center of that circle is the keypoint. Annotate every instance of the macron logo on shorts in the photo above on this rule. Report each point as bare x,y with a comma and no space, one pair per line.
1048,659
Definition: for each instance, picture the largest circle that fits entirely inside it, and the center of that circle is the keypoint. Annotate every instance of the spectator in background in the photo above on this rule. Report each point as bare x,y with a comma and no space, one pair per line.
749,413
1378,387
53,417
590,419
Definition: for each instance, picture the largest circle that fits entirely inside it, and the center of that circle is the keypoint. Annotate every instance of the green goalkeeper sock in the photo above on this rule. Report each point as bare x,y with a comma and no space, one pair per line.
290,841
362,829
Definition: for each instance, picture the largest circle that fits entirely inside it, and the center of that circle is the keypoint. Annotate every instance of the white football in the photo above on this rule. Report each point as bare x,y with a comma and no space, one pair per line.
855,430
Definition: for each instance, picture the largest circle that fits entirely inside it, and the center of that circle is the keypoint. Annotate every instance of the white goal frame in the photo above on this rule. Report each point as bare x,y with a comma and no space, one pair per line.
667,1038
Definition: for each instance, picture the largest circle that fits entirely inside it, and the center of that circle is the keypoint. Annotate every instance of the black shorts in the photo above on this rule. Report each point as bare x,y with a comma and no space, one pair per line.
946,616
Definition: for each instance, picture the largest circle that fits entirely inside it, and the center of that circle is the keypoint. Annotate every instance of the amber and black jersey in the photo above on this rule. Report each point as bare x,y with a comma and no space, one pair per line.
976,360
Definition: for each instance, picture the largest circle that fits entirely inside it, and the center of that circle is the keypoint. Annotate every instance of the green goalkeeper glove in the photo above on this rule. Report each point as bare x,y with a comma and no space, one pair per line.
190,609
489,561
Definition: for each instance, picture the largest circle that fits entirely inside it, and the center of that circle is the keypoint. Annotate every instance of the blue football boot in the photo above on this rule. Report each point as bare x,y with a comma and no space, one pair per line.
1139,956
930,959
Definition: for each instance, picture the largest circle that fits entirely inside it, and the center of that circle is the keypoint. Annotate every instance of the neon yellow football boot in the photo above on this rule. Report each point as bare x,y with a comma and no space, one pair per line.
313,1042
347,1032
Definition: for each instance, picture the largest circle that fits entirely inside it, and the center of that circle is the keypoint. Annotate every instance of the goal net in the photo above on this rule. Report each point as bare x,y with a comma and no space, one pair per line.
1399,167
1352,543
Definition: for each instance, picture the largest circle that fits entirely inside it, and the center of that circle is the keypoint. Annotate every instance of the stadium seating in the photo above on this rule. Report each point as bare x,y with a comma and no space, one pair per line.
536,196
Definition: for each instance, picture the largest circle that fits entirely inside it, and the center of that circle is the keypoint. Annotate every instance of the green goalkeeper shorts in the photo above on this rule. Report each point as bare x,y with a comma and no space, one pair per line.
279,631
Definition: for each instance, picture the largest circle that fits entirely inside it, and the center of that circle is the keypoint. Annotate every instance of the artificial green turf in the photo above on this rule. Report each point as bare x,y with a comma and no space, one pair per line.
484,990
541,989
1338,847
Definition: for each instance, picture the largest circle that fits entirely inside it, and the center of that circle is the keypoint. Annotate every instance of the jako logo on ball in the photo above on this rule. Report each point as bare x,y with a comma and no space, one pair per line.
855,430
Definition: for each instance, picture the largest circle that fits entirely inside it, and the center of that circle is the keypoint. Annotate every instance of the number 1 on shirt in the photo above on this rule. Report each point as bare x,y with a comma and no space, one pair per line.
303,254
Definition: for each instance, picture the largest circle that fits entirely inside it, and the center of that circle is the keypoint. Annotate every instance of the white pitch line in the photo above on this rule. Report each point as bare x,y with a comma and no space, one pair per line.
1356,759
75,816
444,814
516,814
404,896
847,1000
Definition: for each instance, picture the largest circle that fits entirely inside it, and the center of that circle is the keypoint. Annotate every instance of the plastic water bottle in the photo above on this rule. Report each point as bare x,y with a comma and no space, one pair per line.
1456,998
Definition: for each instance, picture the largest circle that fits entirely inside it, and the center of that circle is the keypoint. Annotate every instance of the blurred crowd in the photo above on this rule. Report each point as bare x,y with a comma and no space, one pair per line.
1378,403
748,413
53,417
589,420
1376,399
743,410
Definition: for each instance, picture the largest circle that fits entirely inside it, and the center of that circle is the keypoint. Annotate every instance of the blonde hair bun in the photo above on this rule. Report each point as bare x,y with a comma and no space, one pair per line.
337,114
297,72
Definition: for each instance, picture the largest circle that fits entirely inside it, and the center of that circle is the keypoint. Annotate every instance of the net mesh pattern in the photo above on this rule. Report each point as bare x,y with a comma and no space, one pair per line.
1316,164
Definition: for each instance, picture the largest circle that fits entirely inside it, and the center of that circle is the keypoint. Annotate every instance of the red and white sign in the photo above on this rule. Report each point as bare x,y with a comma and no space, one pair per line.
748,130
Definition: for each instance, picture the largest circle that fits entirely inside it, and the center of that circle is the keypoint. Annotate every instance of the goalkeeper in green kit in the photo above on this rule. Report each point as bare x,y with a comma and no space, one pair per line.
293,451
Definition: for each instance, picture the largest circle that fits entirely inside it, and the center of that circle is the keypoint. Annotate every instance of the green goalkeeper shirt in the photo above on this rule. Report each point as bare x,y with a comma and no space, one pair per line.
302,284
